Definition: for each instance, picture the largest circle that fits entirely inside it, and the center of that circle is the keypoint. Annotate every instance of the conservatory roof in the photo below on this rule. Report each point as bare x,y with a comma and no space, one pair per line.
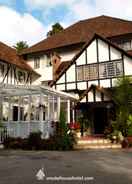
8,90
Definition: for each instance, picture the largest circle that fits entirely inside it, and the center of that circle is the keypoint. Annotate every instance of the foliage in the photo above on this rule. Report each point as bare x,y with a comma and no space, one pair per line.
123,100
34,140
13,143
1,125
56,28
84,123
20,46
64,139
129,126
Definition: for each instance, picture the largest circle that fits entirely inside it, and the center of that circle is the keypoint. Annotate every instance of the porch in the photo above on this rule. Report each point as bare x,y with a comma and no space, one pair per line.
26,109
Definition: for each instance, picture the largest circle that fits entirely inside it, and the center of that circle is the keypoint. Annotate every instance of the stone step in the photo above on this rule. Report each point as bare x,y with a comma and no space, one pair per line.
93,141
98,146
1,146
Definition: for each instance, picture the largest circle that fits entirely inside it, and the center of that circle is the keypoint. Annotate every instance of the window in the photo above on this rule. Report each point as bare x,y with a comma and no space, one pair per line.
126,45
36,62
48,61
90,72
15,113
87,72
80,73
110,69
106,70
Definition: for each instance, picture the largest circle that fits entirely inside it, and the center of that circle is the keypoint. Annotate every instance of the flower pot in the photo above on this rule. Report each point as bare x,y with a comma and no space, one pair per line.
129,138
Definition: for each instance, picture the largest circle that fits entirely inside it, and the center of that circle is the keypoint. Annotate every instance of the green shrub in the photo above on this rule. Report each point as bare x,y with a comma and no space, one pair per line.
130,132
34,141
13,143
64,140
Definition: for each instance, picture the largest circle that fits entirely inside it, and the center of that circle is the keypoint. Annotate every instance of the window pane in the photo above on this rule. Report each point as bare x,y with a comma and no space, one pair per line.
102,70
90,72
36,62
111,69
93,72
80,73
119,69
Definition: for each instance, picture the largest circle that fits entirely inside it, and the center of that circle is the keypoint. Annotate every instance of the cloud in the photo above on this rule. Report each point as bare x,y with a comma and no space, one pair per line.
16,27
40,4
85,8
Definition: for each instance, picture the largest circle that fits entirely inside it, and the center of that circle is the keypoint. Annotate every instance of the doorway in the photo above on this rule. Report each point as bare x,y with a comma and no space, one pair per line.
100,120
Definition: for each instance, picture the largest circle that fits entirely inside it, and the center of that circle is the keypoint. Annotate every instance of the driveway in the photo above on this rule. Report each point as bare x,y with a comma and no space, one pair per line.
79,167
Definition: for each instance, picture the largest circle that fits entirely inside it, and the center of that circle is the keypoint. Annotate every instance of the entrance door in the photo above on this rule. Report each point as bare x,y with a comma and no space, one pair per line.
100,120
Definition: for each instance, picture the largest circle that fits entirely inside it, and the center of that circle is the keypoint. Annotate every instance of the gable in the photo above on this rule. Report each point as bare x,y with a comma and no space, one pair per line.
99,63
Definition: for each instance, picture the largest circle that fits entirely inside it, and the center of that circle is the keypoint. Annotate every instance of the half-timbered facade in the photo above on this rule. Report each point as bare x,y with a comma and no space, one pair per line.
13,69
91,74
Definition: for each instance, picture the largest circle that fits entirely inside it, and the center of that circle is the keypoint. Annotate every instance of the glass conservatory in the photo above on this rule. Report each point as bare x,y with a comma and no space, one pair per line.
25,109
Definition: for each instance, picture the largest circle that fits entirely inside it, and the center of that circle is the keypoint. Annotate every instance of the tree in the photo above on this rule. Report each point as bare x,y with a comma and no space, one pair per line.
122,97
20,46
56,28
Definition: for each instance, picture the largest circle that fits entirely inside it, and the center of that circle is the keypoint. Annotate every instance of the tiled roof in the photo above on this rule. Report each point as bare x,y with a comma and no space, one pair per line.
63,65
83,31
9,55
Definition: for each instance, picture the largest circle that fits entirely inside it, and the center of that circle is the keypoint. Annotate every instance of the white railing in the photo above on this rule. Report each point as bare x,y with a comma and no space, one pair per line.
3,134
23,129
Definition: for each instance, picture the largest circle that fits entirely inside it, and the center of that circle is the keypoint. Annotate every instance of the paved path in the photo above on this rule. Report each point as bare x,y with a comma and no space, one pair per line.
106,166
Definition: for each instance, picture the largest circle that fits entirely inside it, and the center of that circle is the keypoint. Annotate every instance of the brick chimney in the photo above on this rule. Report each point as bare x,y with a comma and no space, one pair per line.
56,61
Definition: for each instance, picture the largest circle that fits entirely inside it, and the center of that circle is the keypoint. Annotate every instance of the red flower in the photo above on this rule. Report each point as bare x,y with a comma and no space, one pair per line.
74,125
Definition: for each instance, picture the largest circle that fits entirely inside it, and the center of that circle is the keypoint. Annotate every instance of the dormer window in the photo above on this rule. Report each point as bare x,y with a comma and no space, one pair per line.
126,45
36,62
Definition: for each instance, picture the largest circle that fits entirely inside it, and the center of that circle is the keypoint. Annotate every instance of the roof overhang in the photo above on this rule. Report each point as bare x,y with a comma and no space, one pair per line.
7,90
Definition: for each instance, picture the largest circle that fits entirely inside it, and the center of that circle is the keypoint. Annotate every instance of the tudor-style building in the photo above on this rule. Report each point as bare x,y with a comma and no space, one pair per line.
91,75
85,60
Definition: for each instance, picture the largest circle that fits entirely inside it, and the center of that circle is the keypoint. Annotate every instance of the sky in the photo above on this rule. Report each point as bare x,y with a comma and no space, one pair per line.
30,20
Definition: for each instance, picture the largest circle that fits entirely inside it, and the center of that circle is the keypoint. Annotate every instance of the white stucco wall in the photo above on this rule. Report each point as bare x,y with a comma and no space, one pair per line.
71,86
115,54
45,72
67,56
92,53
82,59
61,80
60,87
90,96
127,66
105,83
82,85
103,51
70,74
